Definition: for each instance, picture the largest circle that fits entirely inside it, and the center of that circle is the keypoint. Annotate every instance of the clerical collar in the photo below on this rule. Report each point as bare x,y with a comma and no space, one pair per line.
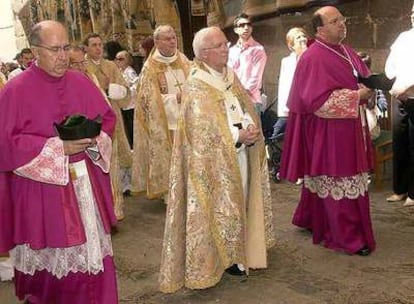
164,59
216,73
96,62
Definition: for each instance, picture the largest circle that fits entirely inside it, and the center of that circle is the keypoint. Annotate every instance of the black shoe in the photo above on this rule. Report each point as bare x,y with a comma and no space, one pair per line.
126,193
235,271
364,251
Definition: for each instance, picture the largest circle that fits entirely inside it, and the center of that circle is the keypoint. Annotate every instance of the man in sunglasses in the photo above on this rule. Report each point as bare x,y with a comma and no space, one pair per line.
248,58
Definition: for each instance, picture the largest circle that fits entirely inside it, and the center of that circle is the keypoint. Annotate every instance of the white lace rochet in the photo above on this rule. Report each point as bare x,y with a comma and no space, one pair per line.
85,258
350,187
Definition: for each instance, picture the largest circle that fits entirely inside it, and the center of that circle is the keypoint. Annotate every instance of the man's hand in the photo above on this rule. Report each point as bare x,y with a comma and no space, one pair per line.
250,135
76,146
403,94
365,93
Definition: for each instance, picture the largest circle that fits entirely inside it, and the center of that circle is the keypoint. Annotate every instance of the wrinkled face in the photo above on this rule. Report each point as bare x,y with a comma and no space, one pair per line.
216,51
94,49
26,59
166,43
299,42
243,28
77,61
334,27
52,52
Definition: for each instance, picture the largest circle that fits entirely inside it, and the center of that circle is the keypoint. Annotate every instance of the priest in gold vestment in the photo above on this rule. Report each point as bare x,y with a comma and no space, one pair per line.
219,211
156,111
117,90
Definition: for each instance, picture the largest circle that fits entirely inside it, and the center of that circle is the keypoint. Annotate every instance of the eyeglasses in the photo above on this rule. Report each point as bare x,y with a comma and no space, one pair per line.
340,19
120,58
243,24
224,44
55,49
77,63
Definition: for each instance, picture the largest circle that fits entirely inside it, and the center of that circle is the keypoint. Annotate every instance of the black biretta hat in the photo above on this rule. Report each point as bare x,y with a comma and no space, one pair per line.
78,126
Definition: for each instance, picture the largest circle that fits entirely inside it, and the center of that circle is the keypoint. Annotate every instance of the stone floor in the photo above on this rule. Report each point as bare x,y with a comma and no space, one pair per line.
298,272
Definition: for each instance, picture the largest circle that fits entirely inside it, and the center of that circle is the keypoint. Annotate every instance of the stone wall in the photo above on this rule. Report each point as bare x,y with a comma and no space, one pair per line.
372,27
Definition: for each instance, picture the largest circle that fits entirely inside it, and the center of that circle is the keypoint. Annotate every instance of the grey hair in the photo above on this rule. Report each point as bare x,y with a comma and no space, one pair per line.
201,39
128,57
34,37
162,29
35,32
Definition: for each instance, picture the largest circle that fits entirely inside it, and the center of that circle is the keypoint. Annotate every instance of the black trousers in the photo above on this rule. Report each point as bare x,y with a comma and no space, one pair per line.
403,147
128,118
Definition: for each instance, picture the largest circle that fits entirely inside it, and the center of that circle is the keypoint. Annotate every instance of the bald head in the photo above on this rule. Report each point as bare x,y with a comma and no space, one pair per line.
43,28
50,44
329,24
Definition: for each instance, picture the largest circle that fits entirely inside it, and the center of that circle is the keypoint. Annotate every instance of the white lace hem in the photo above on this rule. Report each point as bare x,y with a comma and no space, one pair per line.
350,187
84,258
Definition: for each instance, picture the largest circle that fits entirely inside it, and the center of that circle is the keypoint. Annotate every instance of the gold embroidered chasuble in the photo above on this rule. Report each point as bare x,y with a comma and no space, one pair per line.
209,226
107,72
152,138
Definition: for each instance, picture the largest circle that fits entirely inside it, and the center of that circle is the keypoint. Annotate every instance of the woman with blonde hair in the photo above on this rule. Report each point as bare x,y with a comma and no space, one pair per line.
296,40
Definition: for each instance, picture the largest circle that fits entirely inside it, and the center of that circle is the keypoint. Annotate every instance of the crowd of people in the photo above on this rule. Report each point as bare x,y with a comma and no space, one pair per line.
187,132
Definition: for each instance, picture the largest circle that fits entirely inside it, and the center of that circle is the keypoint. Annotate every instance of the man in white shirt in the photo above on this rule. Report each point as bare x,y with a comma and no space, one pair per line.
400,65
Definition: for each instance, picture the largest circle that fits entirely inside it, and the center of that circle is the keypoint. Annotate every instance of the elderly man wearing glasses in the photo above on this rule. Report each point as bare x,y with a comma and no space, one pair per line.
56,202
248,58
156,111
219,215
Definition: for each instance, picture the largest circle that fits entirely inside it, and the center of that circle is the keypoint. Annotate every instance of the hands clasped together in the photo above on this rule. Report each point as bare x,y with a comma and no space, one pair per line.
249,136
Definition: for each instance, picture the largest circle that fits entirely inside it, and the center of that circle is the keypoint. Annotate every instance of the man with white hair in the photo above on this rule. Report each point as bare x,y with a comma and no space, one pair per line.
156,110
219,208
